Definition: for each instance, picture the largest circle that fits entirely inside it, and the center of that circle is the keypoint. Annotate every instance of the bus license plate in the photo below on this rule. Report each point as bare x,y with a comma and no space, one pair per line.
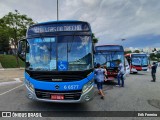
57,97
144,68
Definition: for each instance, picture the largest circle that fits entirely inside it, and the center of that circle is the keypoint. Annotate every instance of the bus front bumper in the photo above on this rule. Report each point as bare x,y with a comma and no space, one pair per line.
85,97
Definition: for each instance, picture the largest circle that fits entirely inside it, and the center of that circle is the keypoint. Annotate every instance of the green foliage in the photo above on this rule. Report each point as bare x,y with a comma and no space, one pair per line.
14,25
4,39
158,56
136,51
4,43
127,52
153,57
95,40
9,61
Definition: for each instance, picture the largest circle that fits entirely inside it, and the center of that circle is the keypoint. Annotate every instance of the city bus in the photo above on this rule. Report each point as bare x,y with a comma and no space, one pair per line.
58,59
137,62
107,55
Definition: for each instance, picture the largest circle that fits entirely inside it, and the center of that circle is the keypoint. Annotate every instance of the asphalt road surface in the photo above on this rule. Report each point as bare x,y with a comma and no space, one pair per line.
139,94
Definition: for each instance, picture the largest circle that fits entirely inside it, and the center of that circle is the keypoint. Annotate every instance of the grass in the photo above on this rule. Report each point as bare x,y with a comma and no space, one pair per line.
9,61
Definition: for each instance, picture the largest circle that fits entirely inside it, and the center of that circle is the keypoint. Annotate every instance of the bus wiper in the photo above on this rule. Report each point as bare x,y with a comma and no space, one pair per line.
42,38
105,56
69,49
112,55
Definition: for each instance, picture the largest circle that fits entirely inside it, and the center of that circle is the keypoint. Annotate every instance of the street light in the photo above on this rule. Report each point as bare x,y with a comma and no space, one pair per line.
57,11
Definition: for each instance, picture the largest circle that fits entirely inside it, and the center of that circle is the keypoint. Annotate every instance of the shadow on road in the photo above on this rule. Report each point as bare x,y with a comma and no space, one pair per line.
109,82
154,103
138,74
46,106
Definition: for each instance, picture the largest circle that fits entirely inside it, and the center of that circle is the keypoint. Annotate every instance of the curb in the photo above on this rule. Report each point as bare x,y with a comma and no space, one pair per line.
12,68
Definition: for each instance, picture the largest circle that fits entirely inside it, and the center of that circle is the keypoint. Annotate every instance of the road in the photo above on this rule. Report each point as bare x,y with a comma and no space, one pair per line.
139,94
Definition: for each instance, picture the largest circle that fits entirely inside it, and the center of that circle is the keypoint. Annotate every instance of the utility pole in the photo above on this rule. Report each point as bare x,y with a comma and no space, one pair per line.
57,11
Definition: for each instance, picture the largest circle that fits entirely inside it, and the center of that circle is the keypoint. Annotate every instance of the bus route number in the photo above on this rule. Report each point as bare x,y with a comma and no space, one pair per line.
71,87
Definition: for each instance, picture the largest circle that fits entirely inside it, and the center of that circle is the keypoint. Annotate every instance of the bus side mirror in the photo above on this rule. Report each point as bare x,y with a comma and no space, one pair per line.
21,49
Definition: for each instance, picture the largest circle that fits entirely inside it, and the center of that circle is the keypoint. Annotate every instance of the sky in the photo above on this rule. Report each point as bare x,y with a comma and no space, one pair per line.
136,21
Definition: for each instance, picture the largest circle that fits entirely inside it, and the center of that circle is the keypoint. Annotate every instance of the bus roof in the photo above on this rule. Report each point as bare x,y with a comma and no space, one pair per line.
64,26
106,45
129,54
136,53
109,48
59,21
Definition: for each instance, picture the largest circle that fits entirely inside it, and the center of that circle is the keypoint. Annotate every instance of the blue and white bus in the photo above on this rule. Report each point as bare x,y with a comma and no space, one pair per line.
58,59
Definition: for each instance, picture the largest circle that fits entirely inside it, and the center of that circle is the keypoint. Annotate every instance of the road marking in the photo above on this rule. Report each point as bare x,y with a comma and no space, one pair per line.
17,80
11,89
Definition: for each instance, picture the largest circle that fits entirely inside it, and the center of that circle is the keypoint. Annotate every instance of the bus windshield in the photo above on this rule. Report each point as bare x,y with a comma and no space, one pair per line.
63,53
109,58
140,60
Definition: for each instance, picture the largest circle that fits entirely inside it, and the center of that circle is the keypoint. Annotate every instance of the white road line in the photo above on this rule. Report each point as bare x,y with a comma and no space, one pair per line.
11,89
17,79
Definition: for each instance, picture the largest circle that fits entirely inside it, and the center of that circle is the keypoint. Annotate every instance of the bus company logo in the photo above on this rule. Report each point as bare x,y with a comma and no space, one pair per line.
57,87
6,114
56,79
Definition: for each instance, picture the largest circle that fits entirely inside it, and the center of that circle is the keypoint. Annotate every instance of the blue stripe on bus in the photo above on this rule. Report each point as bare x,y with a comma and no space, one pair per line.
64,86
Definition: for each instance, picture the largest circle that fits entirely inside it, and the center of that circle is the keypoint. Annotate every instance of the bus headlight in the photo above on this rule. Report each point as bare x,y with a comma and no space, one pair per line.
87,86
29,85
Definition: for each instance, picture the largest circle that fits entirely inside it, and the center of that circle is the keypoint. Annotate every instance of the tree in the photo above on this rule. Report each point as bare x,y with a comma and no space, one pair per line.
95,40
152,56
154,50
4,39
15,27
136,51
127,52
4,43
158,56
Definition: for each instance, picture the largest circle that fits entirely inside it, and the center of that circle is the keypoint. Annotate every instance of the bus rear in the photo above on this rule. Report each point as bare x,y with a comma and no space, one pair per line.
107,55
59,62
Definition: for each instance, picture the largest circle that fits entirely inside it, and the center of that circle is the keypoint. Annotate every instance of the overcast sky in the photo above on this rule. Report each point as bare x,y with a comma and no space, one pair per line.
136,21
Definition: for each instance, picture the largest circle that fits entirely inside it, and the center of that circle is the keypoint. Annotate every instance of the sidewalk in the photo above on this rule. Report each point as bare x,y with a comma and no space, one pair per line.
12,68
8,75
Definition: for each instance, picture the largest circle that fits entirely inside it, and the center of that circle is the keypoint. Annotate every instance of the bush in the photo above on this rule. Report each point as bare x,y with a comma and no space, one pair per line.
9,61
